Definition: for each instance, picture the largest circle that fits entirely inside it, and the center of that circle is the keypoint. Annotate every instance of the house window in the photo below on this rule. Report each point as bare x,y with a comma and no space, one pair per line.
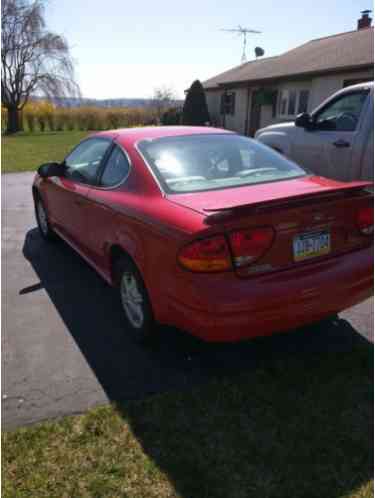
303,101
283,102
228,103
293,102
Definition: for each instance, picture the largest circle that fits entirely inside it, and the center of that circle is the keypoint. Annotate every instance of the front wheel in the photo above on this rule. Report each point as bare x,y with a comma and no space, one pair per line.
45,229
135,302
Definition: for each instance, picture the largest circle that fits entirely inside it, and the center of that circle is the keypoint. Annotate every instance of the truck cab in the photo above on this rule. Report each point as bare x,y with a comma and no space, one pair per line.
336,140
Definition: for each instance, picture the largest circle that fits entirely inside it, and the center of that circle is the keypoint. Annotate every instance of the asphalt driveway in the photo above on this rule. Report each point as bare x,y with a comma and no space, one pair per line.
65,347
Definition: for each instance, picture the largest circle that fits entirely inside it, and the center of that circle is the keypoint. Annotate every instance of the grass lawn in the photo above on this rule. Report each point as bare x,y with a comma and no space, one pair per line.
294,428
27,151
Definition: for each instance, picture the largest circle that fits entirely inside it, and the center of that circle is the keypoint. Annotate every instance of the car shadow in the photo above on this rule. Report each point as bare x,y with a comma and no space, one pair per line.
92,314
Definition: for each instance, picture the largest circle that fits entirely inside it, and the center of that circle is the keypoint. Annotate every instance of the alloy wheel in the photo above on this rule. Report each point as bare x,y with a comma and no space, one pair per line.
132,300
42,218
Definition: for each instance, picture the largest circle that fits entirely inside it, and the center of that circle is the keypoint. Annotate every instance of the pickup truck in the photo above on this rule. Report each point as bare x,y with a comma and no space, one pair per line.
336,140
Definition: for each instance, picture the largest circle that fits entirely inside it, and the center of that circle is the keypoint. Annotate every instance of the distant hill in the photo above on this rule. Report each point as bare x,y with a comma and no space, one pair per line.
76,102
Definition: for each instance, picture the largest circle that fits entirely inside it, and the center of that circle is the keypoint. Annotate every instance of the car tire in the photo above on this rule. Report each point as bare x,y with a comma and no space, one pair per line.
135,302
41,216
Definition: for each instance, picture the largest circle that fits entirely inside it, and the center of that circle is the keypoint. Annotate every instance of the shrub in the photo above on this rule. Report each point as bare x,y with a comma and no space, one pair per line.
114,118
41,120
44,114
71,118
47,110
29,114
171,117
195,111
40,113
61,118
92,119
80,119
50,117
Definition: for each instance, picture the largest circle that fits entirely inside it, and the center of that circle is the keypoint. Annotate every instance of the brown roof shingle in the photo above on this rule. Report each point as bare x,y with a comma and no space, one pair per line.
345,50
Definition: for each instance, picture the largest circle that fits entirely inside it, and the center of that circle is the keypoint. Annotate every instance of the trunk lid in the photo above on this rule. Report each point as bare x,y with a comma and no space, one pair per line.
256,195
303,211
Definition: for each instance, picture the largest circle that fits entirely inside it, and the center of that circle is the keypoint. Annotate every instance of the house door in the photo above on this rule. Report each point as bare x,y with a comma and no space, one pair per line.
254,114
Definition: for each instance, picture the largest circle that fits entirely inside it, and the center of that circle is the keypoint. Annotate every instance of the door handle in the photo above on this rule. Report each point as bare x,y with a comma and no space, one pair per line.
341,143
79,202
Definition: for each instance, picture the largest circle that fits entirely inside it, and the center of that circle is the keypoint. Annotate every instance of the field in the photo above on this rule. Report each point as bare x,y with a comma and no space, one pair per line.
294,428
27,151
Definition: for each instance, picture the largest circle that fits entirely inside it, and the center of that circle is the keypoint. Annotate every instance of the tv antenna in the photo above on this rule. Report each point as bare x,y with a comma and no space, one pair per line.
242,32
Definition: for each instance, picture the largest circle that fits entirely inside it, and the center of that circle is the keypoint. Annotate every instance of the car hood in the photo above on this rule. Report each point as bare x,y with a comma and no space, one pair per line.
276,127
251,195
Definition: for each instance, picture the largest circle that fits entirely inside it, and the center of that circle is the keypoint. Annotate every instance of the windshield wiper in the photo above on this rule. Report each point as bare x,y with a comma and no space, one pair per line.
250,172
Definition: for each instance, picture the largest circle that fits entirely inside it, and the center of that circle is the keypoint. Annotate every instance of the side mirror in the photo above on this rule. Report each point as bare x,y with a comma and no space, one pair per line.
50,169
304,120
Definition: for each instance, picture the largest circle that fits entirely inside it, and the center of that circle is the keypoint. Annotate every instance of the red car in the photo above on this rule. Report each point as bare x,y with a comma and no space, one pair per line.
209,231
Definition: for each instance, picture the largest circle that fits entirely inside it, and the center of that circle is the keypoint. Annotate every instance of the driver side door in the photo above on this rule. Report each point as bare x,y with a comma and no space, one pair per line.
67,194
326,148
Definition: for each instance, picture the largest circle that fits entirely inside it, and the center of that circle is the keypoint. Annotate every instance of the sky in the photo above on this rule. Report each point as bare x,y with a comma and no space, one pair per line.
128,49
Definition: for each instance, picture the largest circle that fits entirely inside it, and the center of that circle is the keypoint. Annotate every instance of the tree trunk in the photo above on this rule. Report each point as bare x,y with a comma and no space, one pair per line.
13,120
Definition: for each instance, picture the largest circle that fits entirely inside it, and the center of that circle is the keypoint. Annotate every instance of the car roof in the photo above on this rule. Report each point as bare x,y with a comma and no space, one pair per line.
130,136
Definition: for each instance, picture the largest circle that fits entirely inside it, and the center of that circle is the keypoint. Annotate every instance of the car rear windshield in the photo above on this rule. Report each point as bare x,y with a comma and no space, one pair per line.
196,163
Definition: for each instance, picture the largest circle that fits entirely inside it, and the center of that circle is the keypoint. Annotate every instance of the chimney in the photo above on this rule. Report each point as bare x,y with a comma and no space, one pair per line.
365,20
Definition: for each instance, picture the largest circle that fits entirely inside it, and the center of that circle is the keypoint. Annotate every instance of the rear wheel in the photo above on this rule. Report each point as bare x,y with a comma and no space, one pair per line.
135,301
42,220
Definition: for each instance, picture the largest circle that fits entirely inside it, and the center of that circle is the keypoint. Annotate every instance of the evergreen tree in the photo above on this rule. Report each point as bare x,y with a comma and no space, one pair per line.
195,111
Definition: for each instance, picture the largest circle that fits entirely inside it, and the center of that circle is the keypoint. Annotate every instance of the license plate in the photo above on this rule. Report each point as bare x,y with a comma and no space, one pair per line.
310,245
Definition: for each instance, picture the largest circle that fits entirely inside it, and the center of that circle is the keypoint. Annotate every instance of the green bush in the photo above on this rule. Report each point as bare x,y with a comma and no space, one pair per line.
30,120
195,111
41,120
50,118
171,117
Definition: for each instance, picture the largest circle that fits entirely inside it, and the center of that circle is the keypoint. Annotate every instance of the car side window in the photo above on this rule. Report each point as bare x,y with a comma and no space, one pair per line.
343,114
83,163
116,168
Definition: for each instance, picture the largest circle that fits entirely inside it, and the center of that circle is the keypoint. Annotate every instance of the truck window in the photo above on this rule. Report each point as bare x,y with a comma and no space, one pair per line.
343,113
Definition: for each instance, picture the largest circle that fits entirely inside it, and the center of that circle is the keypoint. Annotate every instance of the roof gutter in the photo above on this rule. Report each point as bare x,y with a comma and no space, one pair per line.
275,79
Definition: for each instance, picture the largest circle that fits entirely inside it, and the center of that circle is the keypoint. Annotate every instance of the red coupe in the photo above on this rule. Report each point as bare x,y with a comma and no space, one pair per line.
209,231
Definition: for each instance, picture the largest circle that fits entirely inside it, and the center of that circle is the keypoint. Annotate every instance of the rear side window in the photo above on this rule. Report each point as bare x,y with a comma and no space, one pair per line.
116,169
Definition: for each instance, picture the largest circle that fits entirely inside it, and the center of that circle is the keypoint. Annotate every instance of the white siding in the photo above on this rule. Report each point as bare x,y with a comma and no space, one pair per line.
213,98
324,86
266,116
320,88
236,122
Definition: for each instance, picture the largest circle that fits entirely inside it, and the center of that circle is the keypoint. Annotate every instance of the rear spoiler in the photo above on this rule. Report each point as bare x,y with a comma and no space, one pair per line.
216,214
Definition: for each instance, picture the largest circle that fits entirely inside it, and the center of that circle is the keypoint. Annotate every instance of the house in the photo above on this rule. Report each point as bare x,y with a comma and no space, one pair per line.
276,89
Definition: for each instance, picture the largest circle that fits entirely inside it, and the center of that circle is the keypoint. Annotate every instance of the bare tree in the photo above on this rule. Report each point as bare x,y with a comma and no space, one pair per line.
34,61
163,99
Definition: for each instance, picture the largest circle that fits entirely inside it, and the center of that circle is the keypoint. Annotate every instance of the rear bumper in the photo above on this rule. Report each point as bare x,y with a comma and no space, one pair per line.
245,308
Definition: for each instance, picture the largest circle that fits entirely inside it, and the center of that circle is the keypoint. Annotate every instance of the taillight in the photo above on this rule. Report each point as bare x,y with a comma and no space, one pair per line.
365,220
250,244
206,255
